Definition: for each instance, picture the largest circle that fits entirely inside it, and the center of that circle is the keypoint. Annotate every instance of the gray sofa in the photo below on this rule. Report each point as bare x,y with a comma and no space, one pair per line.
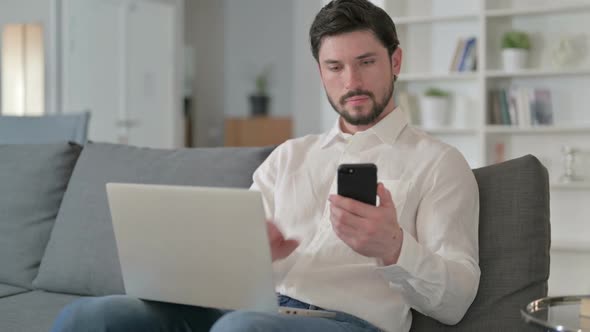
44,128
56,240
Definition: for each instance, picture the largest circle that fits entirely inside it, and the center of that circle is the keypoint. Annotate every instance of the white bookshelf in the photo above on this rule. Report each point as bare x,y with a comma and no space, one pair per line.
449,131
538,73
416,77
432,19
429,31
537,130
541,10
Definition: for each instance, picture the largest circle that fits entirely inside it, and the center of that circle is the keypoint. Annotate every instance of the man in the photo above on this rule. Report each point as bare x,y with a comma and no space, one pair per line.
371,264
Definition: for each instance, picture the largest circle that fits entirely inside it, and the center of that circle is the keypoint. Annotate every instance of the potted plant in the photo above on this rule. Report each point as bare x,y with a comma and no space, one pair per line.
515,48
259,100
434,108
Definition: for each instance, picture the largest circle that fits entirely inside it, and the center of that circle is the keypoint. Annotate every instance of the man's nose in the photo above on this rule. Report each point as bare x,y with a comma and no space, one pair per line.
353,79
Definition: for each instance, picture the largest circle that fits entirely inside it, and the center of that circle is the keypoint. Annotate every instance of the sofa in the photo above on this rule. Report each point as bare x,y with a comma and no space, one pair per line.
44,128
57,242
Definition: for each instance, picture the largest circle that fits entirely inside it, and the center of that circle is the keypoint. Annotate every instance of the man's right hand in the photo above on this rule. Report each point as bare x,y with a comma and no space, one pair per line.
279,246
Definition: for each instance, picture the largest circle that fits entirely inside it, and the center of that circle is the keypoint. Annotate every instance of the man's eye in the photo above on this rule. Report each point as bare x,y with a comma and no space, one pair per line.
368,62
333,68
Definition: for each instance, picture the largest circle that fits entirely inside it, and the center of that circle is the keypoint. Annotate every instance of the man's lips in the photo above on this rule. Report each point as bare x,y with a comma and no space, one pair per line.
357,99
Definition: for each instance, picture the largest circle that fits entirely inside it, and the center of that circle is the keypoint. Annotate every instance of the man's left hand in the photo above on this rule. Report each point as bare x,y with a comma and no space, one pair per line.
371,231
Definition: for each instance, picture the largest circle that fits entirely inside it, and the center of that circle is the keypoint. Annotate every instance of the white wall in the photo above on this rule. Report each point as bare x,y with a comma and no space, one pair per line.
258,33
314,113
37,11
307,91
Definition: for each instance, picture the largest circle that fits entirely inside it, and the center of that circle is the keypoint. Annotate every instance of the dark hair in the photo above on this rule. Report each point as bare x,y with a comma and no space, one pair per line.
342,16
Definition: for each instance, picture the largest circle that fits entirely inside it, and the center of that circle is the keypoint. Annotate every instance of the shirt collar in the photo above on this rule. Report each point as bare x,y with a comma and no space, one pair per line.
387,130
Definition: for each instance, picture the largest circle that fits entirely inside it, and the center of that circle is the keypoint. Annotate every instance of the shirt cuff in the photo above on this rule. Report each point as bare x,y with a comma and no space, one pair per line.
407,261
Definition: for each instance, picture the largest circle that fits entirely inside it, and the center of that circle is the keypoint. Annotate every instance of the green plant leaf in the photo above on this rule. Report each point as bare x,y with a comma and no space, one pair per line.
516,39
436,92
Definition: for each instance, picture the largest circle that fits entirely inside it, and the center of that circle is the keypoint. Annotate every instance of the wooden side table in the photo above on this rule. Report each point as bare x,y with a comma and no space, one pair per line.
257,131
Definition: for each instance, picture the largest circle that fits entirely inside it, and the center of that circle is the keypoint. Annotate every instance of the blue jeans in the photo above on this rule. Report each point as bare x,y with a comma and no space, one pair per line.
123,313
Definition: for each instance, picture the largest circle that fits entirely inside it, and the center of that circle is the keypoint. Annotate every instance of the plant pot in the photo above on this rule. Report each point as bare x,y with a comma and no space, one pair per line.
514,59
259,105
434,112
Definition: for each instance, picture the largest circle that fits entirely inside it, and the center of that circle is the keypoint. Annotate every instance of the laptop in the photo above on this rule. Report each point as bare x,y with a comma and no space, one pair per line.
199,246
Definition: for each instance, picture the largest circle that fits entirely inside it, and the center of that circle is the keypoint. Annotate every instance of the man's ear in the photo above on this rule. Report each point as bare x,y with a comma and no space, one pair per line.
396,61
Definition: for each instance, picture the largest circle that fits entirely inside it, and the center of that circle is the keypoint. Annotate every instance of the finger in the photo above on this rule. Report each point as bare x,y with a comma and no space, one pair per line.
285,249
341,216
342,230
274,234
385,198
353,206
290,245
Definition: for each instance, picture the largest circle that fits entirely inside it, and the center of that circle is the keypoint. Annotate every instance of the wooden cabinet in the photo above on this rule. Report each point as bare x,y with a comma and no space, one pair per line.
257,131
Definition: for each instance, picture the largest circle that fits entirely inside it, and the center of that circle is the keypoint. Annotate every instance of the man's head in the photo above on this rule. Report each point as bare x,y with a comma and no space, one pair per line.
356,46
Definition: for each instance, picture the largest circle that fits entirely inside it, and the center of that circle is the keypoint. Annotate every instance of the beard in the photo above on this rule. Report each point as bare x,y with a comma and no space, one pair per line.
362,120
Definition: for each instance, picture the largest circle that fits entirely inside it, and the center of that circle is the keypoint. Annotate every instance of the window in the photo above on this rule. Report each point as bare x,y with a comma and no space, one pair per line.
23,88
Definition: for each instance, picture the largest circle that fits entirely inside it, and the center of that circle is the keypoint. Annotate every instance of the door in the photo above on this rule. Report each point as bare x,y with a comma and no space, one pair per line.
119,62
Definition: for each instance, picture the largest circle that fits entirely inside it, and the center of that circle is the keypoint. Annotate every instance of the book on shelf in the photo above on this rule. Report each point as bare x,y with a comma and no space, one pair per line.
465,55
499,152
520,107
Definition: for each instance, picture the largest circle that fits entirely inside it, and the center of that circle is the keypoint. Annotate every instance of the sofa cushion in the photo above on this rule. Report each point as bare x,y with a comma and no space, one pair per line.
33,179
7,290
52,128
32,312
514,240
81,256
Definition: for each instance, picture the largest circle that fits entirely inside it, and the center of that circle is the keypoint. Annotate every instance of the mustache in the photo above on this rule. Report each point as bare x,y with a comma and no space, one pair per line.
356,93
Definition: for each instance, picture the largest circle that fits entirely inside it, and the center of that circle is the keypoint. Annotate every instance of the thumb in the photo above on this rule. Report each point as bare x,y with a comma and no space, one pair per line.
291,244
274,234
284,249
384,195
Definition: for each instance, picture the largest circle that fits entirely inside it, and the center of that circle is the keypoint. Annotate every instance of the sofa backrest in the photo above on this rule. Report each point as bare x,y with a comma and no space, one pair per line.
514,241
44,129
81,256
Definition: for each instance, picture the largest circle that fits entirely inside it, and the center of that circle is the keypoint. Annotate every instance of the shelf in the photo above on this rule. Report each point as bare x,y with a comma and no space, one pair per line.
538,73
405,20
515,130
411,77
570,246
571,186
537,11
449,131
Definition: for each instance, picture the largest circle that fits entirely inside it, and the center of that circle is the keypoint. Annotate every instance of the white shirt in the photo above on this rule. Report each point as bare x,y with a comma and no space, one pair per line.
437,202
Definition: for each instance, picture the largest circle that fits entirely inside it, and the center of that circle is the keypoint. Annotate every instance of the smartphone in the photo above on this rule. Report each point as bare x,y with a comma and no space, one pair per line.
358,181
